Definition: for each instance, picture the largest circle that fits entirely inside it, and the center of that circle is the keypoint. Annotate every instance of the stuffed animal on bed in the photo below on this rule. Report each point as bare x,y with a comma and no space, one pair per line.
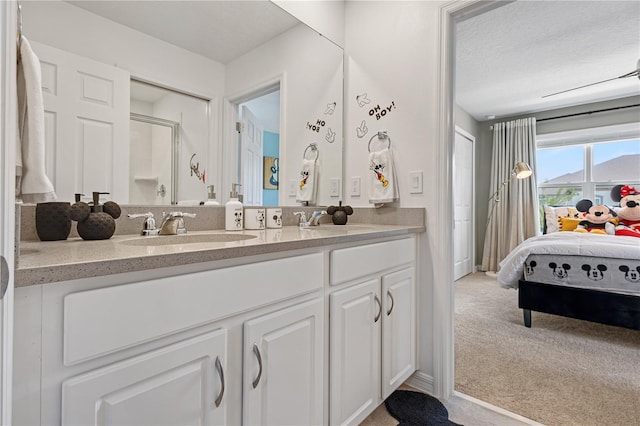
598,219
629,213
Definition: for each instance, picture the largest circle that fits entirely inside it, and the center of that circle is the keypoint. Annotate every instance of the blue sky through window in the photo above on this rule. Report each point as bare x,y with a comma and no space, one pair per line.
558,161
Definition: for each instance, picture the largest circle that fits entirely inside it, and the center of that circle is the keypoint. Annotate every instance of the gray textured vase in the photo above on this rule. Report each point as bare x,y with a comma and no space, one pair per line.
53,222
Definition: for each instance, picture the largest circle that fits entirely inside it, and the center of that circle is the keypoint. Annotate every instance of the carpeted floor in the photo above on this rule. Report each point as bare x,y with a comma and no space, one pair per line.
559,372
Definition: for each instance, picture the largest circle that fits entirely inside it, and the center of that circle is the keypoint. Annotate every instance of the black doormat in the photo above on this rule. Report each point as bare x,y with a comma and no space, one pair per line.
415,408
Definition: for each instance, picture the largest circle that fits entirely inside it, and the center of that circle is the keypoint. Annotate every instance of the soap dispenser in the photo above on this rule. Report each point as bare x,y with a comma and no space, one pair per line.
97,222
211,197
233,220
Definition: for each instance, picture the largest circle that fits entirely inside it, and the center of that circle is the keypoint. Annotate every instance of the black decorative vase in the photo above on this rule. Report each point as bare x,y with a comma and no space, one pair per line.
53,222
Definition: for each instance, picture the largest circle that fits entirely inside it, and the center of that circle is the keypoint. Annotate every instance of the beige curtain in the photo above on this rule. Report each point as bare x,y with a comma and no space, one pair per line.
514,215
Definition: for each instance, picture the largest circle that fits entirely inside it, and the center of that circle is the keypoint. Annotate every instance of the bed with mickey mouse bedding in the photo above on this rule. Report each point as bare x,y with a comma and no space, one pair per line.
593,276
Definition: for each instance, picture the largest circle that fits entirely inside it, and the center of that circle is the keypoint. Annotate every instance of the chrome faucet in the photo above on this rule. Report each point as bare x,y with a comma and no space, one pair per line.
315,217
303,219
149,225
314,220
173,223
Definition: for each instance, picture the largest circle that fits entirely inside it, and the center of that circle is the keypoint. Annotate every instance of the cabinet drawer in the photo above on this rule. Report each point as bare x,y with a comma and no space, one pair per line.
354,262
101,321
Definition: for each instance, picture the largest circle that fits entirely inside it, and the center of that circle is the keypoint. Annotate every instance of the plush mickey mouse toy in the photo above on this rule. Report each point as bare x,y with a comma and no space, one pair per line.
629,214
597,219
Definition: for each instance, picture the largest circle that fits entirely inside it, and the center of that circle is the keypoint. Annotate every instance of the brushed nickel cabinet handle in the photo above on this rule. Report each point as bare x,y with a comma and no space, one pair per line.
256,351
221,374
379,308
392,302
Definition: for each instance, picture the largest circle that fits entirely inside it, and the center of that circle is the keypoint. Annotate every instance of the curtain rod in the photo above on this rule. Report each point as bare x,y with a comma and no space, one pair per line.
583,113
588,112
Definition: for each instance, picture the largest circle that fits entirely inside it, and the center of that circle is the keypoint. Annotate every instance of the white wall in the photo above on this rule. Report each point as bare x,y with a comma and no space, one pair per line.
392,55
326,17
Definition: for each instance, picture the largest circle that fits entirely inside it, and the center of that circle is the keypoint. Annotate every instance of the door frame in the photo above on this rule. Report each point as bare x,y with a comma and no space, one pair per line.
472,233
8,134
230,117
443,301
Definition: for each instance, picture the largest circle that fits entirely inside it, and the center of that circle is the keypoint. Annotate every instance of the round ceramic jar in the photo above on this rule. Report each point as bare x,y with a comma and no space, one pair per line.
53,221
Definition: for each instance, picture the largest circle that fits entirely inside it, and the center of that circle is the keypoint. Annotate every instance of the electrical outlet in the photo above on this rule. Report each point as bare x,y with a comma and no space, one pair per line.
334,187
415,182
355,186
291,188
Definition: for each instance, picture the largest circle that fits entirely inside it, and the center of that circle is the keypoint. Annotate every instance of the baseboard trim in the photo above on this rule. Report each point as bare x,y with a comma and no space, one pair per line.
496,409
421,381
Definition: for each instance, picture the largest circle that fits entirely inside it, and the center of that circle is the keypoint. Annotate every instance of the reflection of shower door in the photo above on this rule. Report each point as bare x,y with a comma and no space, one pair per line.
251,158
153,160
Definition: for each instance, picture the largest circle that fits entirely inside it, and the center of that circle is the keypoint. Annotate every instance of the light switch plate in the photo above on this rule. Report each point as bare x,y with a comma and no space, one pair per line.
355,186
334,187
415,182
291,188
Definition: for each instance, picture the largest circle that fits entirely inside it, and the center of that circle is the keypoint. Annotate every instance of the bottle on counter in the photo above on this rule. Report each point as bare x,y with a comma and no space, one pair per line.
211,197
233,211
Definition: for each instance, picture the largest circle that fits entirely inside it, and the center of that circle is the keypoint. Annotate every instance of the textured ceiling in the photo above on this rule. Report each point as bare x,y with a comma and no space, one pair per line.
511,56
219,30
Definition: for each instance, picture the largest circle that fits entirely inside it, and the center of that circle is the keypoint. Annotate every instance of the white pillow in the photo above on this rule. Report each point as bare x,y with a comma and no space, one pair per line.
552,216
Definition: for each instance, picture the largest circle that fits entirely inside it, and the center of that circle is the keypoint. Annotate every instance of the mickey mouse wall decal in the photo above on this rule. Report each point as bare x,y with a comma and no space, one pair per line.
362,130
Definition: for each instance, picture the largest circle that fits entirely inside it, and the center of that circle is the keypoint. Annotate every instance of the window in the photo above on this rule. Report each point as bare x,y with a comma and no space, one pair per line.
587,164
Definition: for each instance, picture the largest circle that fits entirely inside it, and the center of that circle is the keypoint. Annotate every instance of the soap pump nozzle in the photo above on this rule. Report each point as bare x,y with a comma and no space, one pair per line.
211,192
234,190
77,197
97,207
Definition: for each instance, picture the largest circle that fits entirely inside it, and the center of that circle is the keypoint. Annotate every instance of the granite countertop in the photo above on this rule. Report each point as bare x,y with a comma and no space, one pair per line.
53,261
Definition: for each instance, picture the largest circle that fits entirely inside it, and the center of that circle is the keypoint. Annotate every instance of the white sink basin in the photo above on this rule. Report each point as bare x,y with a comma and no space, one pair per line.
169,240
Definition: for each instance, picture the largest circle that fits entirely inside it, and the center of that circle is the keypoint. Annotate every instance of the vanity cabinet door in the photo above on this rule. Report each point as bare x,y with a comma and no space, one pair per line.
355,317
180,384
283,367
398,329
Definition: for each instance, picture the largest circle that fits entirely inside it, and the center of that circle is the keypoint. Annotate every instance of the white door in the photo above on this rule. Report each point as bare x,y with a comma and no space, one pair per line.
86,124
355,316
252,166
283,367
181,384
7,200
463,240
398,329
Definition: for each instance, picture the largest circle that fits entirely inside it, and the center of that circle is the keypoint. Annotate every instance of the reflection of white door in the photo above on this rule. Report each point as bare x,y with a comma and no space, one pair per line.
463,204
251,158
86,124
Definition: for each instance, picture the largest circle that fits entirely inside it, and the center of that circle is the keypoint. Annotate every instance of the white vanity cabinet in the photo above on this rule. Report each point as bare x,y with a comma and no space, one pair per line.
315,336
170,350
180,384
283,367
372,326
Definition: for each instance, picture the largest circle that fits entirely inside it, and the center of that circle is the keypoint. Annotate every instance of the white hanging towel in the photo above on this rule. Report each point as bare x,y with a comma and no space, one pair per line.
306,191
32,183
383,185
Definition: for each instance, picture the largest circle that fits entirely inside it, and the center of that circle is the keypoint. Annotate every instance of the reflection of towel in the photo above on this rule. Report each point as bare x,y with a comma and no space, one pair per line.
307,184
32,184
383,185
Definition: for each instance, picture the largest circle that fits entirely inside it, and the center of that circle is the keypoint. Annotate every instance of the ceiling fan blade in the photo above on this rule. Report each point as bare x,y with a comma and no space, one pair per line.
634,73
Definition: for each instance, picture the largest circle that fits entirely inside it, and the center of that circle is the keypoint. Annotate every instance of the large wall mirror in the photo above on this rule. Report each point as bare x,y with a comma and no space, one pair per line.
242,87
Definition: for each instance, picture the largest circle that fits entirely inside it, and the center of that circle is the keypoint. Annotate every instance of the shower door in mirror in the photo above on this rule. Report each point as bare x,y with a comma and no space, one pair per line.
86,107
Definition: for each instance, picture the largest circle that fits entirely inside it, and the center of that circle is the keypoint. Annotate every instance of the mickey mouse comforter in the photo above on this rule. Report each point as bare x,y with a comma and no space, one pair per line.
600,262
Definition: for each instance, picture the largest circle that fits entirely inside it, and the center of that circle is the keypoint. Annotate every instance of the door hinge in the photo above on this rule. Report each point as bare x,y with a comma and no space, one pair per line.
239,127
